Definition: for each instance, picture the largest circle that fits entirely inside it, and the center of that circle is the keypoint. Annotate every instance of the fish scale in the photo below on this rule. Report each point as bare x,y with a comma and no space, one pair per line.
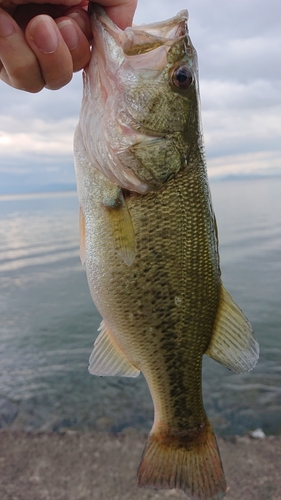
188,229
149,241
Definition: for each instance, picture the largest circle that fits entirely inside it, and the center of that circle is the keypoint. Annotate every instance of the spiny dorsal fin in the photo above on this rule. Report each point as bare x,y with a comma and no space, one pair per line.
122,227
233,343
107,359
82,228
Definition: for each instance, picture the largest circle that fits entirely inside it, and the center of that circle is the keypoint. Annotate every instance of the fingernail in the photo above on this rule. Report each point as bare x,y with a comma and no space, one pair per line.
44,34
69,33
77,17
6,25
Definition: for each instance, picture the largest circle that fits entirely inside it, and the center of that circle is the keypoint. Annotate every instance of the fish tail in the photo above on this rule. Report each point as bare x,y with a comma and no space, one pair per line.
193,466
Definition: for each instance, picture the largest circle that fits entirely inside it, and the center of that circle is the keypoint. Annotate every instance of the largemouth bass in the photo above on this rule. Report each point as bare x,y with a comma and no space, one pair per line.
150,245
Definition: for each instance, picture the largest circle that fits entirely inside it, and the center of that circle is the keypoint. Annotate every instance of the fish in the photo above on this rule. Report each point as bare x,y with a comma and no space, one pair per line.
149,241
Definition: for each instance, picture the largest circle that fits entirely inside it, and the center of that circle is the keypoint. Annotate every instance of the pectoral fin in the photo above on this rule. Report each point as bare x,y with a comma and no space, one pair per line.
107,359
233,343
121,225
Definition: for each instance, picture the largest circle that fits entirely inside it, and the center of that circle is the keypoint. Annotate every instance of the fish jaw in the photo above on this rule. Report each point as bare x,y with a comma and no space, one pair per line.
128,72
115,44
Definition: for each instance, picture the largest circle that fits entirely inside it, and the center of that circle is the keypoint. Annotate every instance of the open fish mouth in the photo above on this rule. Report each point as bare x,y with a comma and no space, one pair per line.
116,45
136,40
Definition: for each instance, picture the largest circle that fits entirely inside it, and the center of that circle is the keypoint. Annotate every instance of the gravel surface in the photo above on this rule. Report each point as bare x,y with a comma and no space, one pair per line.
98,466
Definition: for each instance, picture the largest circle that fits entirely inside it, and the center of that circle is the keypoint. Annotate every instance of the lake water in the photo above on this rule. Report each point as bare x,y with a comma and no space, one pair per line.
48,322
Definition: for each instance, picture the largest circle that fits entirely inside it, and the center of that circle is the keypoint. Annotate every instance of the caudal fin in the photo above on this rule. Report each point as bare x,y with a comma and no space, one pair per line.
194,467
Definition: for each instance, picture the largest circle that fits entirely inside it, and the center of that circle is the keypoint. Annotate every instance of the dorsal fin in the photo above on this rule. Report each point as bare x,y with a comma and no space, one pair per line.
233,343
107,358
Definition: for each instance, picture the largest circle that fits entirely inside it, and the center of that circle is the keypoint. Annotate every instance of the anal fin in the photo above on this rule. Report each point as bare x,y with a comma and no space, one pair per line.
107,359
233,343
121,225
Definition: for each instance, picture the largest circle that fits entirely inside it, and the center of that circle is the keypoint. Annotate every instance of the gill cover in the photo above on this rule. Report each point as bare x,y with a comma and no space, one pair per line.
133,76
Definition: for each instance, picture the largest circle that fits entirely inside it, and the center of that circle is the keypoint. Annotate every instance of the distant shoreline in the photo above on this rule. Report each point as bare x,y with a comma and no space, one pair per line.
41,194
59,189
98,466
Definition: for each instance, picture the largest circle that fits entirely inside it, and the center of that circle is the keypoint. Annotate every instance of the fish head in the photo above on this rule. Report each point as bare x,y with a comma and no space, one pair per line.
139,115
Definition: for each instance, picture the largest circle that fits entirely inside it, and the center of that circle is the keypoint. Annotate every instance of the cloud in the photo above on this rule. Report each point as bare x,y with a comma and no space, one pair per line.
48,105
239,47
36,138
28,173
220,20
39,136
261,164
243,59
240,129
231,94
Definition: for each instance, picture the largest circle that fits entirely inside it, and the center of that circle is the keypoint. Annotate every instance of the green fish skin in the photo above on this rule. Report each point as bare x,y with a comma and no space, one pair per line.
149,242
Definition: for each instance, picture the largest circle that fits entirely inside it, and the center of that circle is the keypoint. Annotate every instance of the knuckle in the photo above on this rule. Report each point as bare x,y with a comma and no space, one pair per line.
57,83
26,76
34,89
27,85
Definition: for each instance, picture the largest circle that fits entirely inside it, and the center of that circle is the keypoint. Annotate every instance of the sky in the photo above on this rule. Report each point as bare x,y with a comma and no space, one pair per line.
239,50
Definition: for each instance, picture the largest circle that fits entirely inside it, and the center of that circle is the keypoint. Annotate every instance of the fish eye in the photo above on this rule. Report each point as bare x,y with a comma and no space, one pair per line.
182,77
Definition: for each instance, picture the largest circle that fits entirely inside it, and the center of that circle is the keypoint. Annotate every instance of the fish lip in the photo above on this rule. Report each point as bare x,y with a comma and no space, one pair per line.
137,40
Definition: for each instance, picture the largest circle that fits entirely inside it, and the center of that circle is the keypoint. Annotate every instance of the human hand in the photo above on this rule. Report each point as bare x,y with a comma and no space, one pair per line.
120,11
41,45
